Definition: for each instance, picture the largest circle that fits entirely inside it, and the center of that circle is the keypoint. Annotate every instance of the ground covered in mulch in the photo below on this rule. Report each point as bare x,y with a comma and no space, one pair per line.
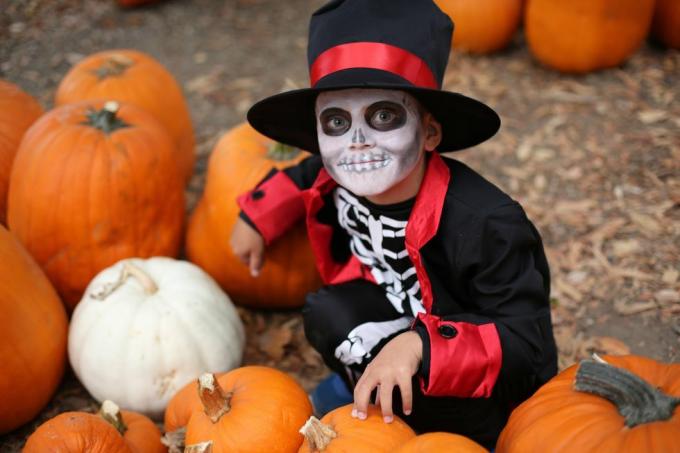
594,159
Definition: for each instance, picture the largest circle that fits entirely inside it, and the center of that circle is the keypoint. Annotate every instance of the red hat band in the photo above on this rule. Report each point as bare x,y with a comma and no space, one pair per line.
373,55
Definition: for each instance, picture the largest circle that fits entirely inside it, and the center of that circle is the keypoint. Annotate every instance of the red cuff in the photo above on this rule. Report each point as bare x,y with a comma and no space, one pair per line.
274,206
465,358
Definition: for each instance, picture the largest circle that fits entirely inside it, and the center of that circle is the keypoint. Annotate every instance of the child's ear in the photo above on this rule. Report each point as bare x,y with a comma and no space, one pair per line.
433,132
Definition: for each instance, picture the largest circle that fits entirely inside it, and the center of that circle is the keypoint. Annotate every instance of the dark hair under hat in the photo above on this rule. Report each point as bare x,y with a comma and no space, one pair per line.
390,44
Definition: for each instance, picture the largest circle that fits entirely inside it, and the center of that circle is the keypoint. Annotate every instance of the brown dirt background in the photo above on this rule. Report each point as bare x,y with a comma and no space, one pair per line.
593,159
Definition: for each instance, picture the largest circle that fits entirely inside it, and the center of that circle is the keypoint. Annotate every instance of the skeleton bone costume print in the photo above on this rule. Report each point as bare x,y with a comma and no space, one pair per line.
377,240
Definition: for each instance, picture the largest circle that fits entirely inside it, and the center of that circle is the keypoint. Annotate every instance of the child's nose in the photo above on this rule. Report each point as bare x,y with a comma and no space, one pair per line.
359,141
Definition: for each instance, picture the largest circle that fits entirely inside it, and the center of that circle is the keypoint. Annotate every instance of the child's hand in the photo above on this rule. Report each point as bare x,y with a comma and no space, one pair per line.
396,364
248,245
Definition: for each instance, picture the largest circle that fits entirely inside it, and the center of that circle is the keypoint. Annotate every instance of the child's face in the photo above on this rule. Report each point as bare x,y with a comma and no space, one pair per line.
369,139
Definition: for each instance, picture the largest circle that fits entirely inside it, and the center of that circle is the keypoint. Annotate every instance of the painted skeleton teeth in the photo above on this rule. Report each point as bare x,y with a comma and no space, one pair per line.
364,163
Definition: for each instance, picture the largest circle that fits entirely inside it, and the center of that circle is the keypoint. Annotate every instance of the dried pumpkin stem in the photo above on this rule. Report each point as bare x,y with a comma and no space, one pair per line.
318,435
280,152
105,119
215,400
637,401
111,413
129,270
203,447
114,66
174,440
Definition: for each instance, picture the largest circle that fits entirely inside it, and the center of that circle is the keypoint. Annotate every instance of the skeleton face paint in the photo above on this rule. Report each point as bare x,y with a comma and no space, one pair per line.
369,139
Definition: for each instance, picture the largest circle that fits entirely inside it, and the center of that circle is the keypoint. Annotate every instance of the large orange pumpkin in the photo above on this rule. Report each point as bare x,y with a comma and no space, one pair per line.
18,111
434,442
339,432
579,36
92,186
110,431
239,161
666,23
252,408
134,77
33,328
482,26
629,415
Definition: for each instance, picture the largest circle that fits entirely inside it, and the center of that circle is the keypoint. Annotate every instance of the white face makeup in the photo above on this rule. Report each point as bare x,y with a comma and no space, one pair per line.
369,139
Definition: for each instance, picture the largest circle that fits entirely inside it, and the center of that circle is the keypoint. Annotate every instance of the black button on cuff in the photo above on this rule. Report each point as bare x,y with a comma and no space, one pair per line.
257,195
447,331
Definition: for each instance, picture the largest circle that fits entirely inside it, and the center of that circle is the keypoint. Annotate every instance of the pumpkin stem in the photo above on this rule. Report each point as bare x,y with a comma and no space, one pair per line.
318,435
114,66
203,447
215,400
111,413
174,440
129,270
637,401
280,152
105,119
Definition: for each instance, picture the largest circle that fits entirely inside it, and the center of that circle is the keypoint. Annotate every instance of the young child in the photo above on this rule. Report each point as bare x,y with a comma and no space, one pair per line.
436,283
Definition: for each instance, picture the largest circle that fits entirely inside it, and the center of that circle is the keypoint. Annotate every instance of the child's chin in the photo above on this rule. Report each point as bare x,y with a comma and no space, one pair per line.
365,184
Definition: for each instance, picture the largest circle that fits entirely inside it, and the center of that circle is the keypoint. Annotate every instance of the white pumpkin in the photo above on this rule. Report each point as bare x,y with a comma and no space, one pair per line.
145,328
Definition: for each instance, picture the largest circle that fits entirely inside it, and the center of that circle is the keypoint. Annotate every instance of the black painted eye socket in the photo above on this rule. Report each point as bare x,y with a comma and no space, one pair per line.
335,121
386,116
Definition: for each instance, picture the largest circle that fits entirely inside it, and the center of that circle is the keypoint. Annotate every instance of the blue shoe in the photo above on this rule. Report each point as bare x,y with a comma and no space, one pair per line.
330,394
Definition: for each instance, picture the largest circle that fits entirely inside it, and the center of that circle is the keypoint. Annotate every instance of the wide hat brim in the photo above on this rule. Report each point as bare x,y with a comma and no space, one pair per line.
290,117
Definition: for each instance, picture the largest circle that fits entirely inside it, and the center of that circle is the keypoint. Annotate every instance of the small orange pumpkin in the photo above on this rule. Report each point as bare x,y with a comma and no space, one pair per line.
580,36
225,408
130,76
339,432
626,404
92,185
238,162
18,111
482,26
110,431
33,329
666,23
433,442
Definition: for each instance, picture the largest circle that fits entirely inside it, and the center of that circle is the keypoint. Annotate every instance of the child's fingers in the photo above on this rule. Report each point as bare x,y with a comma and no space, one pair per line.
362,394
255,263
406,395
385,392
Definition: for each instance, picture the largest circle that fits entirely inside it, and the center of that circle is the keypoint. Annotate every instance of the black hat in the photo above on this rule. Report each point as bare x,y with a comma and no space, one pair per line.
390,44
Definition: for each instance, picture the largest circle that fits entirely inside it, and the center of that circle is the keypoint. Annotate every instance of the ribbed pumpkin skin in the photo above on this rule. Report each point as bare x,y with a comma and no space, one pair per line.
579,36
482,26
666,24
238,162
182,404
142,434
371,435
145,83
33,328
558,418
444,442
268,407
18,110
76,432
80,200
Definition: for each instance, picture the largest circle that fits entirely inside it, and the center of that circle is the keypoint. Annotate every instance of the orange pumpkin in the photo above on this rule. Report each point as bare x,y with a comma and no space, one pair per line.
580,410
134,77
225,410
482,26
338,432
91,186
239,161
666,23
18,111
433,442
110,431
580,36
33,329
